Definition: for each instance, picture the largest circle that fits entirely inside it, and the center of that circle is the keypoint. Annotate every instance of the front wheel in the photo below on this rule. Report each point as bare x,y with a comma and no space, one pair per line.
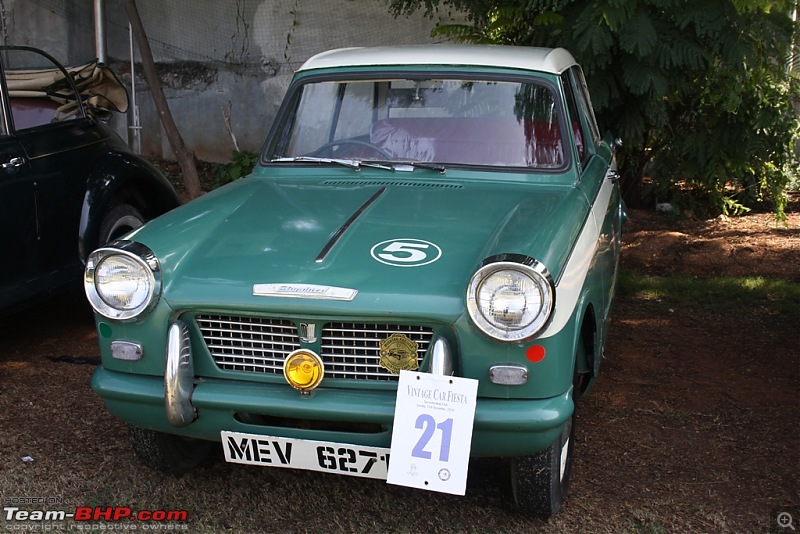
117,221
539,482
168,453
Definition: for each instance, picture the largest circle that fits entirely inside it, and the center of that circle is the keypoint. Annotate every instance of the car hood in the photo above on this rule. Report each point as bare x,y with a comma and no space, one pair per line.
406,247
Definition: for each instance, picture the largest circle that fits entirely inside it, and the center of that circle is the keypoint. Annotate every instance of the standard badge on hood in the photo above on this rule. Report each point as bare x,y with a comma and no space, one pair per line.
399,353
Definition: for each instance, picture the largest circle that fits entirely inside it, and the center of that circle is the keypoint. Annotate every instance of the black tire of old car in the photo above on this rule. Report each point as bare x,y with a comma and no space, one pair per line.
117,221
168,453
538,484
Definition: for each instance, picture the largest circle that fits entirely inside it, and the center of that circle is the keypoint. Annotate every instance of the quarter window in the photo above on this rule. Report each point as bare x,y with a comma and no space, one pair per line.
585,103
38,90
578,129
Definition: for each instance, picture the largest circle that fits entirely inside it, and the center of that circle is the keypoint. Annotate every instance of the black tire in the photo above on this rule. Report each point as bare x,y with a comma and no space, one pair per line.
539,482
117,221
168,453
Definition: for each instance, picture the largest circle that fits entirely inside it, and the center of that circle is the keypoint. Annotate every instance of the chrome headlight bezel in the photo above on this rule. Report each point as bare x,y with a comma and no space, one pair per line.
536,305
137,257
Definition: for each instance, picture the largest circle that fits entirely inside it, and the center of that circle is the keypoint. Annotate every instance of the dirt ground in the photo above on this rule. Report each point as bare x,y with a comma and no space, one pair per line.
695,416
658,244
692,426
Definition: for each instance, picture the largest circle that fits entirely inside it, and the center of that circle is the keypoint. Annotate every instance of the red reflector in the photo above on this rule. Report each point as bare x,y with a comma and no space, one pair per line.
535,353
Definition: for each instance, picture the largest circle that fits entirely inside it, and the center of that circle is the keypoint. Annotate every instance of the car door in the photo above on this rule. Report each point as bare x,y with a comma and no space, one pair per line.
45,154
598,180
18,221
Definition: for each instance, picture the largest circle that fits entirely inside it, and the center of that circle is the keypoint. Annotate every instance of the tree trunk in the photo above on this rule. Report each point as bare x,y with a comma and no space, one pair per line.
182,154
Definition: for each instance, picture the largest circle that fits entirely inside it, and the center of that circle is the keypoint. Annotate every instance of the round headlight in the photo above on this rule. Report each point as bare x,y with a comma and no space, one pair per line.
510,301
122,283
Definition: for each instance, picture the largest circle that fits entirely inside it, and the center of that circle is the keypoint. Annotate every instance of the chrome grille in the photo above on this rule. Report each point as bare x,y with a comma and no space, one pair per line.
352,350
259,345
253,344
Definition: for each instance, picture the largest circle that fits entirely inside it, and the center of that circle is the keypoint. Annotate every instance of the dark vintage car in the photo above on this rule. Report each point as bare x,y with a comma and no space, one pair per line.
68,183
421,266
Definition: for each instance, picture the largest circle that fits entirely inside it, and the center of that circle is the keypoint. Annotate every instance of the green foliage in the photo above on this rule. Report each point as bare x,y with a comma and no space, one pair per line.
699,91
719,294
735,140
241,164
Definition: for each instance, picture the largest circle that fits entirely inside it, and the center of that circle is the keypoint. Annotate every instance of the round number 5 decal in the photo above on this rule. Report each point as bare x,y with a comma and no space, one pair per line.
406,252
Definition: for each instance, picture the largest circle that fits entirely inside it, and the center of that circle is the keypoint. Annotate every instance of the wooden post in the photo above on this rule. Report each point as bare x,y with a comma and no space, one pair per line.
182,154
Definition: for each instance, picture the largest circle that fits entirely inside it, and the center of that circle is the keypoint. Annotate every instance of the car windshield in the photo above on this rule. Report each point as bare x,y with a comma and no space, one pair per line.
441,121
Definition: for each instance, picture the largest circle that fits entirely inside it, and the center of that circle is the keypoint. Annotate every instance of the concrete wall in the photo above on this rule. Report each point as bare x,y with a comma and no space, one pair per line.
221,61
49,27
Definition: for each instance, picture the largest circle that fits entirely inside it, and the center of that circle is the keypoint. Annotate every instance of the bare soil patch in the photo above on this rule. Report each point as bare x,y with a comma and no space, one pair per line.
757,244
693,425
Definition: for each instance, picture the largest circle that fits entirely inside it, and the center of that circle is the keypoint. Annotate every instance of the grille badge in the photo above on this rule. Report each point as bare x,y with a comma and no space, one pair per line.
308,332
398,353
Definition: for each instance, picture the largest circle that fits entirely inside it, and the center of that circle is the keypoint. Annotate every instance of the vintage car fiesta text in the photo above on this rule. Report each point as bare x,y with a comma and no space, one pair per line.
435,228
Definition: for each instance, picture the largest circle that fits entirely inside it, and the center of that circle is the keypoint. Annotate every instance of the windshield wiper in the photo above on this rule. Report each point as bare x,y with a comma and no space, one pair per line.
354,164
405,166
408,166
351,163
430,166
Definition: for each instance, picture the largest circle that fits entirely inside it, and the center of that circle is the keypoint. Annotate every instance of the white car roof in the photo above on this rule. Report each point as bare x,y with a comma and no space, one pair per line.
550,60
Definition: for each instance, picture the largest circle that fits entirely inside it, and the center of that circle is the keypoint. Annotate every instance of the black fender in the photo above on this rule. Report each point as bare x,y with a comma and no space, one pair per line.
121,177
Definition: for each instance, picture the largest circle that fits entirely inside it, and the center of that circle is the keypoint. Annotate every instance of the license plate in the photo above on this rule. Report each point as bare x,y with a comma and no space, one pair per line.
324,456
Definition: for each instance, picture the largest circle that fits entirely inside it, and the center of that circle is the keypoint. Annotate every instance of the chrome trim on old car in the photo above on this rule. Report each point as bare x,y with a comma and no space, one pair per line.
514,319
441,358
508,375
151,273
126,350
179,376
259,345
304,291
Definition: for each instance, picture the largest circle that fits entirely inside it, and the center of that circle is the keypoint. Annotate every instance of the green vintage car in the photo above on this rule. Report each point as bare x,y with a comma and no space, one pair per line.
446,209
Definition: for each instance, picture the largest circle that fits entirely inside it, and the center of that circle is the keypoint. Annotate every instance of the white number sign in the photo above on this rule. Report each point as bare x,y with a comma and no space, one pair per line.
432,432
406,252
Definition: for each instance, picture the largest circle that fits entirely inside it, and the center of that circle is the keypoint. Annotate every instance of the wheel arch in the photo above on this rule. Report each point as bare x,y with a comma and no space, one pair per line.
121,178
586,346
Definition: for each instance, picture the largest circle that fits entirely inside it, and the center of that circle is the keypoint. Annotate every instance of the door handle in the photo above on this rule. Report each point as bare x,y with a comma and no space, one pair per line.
13,162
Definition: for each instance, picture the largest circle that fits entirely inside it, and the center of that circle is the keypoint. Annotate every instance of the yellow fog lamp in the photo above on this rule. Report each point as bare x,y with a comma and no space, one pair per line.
303,370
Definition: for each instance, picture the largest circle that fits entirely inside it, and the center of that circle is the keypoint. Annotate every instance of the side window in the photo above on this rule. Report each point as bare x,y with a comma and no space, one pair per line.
585,103
579,129
39,91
